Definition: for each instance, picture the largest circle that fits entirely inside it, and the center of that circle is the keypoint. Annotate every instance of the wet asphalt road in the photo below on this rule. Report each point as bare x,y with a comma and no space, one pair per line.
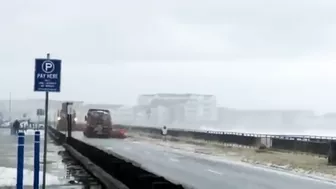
203,173
62,171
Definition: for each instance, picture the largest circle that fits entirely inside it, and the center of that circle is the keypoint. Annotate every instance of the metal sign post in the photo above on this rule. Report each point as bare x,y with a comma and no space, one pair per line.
47,79
45,138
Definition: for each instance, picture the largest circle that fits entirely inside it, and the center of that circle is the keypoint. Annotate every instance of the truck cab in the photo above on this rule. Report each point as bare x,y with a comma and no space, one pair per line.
98,123
62,122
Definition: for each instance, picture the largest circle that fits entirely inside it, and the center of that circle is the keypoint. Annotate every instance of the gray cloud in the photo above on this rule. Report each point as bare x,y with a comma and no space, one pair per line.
279,51
170,30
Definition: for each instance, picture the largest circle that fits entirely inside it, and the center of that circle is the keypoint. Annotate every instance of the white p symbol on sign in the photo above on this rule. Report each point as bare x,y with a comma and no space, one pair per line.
48,66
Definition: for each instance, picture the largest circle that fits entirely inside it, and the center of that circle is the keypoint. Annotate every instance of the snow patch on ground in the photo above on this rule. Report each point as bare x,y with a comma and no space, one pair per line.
31,132
8,177
302,172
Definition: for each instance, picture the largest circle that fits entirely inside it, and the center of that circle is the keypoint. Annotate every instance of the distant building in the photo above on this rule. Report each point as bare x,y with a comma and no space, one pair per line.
17,108
123,115
146,99
169,108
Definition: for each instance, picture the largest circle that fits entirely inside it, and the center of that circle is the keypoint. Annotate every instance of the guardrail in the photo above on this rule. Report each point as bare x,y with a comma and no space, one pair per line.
111,169
306,144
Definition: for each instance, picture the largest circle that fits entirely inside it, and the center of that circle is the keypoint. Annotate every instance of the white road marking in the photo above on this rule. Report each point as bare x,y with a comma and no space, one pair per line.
215,172
127,148
173,159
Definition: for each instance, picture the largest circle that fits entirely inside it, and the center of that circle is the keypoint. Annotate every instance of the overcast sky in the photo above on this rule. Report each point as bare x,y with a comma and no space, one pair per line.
262,54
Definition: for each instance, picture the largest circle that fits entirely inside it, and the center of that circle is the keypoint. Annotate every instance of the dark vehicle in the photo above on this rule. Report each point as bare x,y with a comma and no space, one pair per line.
99,125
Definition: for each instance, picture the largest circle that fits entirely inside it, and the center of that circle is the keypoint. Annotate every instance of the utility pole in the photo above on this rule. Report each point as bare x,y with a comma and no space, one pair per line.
10,106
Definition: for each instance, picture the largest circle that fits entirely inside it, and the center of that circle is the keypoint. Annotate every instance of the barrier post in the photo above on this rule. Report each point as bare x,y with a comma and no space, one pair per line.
37,143
20,160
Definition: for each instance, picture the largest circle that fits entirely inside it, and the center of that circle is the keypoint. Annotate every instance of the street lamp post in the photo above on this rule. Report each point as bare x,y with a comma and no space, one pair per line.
69,117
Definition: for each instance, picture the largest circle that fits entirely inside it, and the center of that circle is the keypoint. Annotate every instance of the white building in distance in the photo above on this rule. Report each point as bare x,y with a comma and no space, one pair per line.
178,108
123,115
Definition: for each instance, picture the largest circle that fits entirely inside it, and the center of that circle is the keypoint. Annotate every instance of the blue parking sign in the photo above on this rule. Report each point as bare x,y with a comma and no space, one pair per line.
47,75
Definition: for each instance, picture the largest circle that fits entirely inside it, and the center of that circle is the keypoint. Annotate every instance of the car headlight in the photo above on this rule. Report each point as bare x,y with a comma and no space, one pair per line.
75,119
58,118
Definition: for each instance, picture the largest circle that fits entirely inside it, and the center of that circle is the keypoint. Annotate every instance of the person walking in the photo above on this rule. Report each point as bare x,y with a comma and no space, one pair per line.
164,132
16,126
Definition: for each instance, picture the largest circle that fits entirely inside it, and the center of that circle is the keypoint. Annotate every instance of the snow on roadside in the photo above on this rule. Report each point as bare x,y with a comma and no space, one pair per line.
299,171
8,177
31,132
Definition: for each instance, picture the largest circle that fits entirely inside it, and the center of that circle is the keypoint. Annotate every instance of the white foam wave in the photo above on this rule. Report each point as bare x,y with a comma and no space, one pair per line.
310,132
